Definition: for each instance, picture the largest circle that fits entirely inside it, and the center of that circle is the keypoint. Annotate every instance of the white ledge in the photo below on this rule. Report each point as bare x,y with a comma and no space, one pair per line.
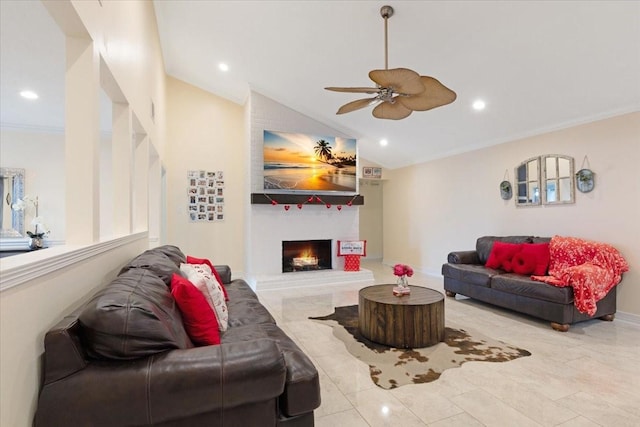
312,278
18,269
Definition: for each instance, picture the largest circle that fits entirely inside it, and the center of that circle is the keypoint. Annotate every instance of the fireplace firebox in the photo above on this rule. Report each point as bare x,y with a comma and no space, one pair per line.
306,255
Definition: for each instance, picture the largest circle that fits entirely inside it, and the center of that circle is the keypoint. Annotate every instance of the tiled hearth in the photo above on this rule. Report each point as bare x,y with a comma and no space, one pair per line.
314,278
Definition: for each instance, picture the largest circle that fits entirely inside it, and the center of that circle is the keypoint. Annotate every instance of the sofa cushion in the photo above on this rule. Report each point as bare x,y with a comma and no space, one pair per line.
522,263
172,252
485,243
247,312
502,254
202,278
523,285
156,262
536,254
198,316
133,316
538,239
470,273
239,289
302,383
194,260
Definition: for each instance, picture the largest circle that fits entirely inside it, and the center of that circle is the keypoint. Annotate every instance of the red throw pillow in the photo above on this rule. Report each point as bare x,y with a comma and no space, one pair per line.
539,254
523,264
501,255
194,260
197,315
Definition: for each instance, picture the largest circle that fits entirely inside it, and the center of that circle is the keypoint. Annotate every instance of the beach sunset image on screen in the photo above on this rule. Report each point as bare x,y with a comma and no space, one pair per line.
309,163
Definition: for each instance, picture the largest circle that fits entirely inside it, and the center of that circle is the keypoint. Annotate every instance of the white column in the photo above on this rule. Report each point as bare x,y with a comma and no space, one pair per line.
122,153
82,142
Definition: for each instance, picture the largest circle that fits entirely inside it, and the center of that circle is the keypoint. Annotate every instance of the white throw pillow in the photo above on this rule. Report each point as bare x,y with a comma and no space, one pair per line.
204,280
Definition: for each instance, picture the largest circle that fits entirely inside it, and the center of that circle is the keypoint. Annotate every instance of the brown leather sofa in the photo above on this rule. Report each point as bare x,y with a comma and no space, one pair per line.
465,274
124,359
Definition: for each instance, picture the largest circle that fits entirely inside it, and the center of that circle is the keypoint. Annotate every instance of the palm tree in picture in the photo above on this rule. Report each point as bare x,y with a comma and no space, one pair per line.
323,150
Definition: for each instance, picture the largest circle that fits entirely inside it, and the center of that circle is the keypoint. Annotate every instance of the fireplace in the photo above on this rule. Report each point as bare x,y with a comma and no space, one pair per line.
306,255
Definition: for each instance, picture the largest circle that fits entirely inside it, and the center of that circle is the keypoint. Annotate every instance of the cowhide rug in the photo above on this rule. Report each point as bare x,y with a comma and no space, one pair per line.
392,367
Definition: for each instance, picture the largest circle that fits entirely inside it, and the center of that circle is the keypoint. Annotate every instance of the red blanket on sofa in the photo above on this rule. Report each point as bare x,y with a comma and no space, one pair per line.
591,268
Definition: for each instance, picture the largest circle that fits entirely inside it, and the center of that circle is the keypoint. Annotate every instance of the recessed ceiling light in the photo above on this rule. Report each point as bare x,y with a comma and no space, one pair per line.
479,105
29,94
384,142
223,66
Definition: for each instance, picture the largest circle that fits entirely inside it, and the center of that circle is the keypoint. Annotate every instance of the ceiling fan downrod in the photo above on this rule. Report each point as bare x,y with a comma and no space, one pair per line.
386,12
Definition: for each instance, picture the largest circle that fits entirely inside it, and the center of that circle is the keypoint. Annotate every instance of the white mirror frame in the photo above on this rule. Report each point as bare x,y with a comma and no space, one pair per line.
541,178
557,177
10,195
524,182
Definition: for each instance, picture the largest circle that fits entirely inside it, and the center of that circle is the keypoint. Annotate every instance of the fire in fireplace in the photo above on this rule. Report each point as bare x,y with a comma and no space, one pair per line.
306,255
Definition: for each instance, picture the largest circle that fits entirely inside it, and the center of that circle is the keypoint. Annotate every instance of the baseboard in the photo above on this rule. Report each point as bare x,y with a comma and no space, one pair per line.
628,317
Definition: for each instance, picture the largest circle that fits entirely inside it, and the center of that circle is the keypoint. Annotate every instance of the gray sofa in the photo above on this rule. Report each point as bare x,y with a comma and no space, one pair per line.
125,359
465,274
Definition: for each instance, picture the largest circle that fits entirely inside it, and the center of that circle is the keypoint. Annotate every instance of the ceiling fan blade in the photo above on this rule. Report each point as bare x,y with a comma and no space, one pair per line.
356,105
403,80
435,95
387,110
354,89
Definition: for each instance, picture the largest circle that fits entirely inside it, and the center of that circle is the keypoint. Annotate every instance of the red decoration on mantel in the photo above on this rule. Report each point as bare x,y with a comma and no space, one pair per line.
311,199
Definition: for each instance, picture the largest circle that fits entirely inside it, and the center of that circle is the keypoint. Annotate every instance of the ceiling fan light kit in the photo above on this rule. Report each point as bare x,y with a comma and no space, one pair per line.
399,91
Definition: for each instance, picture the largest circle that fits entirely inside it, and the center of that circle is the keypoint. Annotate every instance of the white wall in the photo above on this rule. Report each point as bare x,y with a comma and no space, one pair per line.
205,132
41,155
125,34
444,205
267,226
371,217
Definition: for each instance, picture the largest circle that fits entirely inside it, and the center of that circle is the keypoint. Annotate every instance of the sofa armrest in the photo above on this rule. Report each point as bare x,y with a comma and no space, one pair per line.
463,257
64,355
225,273
167,386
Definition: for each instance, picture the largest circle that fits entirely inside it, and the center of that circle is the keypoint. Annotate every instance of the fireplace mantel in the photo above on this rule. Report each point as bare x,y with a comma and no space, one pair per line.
294,199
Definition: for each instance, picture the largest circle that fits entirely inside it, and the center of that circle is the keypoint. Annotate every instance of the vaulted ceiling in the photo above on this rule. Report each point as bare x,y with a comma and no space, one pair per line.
538,65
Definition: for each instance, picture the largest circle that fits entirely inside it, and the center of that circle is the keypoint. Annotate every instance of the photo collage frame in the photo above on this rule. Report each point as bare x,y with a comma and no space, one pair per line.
205,196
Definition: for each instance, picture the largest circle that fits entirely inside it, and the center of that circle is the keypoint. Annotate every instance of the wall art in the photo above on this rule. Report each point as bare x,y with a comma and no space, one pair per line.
205,196
312,164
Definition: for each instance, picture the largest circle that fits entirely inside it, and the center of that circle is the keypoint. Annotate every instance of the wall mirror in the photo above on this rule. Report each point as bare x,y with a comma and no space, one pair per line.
546,180
558,179
528,182
12,187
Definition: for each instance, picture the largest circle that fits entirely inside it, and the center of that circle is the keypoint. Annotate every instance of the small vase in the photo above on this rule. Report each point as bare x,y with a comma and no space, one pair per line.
35,243
403,282
402,286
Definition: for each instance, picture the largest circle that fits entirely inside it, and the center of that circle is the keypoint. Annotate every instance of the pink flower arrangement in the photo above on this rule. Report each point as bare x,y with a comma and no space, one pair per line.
402,270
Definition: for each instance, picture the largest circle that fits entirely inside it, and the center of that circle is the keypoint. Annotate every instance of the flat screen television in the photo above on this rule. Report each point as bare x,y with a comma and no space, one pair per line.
314,164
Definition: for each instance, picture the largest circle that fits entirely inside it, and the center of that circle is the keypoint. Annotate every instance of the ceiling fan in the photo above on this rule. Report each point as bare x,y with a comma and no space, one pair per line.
399,91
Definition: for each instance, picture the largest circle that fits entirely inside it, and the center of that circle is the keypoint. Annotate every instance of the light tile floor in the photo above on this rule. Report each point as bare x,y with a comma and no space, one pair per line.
589,376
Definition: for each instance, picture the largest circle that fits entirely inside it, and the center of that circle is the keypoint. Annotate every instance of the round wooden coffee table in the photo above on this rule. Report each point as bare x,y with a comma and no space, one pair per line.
410,321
